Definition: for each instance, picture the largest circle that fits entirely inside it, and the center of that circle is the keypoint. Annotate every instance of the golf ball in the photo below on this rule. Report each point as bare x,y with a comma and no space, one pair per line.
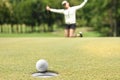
42,65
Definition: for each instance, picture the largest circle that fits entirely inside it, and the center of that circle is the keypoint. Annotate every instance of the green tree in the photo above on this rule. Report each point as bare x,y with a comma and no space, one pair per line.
5,12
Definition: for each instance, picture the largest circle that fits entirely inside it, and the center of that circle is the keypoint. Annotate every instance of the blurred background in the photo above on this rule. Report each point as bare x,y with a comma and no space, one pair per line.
96,18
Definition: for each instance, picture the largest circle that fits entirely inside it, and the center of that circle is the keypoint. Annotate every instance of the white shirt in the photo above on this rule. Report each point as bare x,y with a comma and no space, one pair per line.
70,13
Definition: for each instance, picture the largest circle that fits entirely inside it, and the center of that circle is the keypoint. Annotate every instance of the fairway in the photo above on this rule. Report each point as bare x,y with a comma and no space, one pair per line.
71,58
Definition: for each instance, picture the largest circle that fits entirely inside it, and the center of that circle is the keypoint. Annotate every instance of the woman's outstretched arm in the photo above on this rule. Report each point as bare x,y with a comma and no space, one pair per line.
81,5
54,10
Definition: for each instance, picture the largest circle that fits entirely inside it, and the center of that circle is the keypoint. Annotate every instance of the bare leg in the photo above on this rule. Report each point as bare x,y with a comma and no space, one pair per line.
72,33
66,32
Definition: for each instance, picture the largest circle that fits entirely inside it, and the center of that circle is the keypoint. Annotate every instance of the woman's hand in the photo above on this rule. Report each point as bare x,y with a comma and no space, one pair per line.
47,8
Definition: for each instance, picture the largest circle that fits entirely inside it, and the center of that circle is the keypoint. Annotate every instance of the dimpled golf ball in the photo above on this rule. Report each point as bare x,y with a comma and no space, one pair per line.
42,65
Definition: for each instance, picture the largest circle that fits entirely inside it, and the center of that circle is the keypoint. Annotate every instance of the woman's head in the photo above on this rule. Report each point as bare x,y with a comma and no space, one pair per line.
66,4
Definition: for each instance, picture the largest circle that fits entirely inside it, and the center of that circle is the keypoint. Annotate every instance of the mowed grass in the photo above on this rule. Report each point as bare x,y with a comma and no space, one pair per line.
71,58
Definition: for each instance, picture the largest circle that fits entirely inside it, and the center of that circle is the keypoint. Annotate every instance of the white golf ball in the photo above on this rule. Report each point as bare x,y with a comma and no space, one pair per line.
42,65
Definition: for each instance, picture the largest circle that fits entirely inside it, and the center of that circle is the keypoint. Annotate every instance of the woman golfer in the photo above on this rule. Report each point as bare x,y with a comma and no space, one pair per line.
70,16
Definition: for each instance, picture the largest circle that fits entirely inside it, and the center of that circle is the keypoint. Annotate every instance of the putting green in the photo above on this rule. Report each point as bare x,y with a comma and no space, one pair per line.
71,58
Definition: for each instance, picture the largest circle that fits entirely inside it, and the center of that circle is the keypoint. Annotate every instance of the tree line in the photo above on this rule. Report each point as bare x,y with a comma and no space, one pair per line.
102,15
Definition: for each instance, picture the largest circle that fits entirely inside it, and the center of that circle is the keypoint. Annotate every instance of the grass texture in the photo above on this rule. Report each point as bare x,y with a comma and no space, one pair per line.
71,58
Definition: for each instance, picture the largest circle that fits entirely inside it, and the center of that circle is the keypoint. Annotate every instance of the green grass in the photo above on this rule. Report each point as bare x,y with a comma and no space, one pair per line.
48,34
87,32
72,58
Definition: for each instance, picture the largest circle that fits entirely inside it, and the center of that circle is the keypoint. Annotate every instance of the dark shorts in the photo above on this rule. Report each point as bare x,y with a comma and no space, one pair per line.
70,26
